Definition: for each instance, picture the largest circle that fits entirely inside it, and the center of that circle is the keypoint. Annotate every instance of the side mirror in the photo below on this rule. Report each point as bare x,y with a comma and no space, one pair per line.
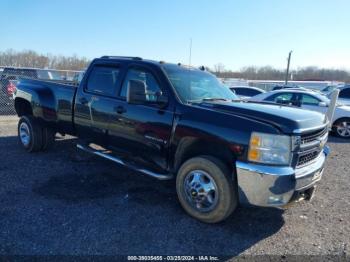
162,99
136,92
323,104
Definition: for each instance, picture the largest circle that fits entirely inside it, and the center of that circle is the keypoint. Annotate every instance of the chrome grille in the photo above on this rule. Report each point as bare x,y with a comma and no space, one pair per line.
311,145
314,136
304,159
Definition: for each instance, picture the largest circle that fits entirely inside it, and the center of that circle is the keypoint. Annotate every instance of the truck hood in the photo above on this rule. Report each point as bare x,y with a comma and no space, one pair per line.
286,118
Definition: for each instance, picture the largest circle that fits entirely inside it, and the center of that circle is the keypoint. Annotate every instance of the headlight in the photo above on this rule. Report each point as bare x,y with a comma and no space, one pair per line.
269,149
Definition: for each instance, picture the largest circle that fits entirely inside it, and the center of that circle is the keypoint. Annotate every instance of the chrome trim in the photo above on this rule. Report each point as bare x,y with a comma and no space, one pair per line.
121,162
24,134
299,131
201,190
317,163
261,185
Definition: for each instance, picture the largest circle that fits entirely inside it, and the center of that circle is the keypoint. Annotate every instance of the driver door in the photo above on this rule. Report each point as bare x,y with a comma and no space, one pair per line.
142,131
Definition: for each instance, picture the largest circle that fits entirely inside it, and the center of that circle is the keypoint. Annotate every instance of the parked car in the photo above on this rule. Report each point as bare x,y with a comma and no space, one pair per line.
78,76
245,92
279,87
344,95
11,88
166,120
328,89
311,100
10,76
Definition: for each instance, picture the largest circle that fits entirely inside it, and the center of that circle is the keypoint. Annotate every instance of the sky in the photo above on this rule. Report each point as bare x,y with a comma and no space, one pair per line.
236,33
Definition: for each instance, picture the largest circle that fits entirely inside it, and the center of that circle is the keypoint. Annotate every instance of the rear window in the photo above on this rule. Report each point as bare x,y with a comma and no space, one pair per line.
103,80
246,91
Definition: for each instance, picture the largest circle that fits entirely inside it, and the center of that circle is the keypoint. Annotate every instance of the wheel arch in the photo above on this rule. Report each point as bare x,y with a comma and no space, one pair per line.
190,147
340,119
23,107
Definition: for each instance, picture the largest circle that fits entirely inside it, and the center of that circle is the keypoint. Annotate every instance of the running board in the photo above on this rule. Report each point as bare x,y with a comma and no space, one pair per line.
121,162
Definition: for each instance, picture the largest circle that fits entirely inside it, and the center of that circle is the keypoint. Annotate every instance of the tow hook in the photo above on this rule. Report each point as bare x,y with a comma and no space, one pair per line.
307,195
326,150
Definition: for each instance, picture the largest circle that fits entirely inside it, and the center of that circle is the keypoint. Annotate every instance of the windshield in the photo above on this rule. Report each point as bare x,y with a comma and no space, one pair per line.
193,85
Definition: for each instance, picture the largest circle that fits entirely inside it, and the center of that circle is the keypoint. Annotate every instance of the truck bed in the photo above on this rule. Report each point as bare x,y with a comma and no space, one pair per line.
52,101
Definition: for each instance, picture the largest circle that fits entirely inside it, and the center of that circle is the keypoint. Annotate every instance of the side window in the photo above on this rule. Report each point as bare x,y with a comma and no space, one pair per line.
103,80
240,91
284,98
345,93
152,86
251,92
309,100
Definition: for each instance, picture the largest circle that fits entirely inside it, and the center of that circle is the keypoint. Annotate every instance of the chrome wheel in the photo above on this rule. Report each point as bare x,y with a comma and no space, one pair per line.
343,129
201,190
24,133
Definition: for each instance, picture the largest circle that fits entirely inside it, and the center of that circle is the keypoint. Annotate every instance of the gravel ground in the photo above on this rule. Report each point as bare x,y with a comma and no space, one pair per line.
63,202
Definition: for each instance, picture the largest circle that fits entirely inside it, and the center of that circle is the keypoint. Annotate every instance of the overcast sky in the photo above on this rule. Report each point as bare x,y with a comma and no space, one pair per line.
235,33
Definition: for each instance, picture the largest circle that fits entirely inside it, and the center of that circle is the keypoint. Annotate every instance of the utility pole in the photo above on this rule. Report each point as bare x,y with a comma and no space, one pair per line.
287,73
190,52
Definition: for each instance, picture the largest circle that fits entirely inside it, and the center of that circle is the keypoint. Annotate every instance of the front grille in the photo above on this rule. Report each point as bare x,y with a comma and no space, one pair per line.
311,146
314,136
309,157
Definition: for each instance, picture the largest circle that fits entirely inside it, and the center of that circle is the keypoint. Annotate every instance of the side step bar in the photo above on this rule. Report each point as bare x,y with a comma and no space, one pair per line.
121,162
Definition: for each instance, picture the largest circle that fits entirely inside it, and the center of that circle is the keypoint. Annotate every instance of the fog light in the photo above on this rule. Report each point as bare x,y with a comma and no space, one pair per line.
275,200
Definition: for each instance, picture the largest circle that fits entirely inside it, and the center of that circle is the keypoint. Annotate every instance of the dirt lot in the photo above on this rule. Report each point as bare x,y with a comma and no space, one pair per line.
62,202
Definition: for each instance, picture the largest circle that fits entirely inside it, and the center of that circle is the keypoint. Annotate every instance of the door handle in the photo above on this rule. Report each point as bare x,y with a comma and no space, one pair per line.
120,109
83,100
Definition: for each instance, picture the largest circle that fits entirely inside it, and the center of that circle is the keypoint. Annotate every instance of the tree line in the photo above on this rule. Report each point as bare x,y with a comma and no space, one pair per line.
310,73
29,58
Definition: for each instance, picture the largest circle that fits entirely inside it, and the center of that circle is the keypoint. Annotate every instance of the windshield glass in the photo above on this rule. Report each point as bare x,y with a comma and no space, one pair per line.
193,85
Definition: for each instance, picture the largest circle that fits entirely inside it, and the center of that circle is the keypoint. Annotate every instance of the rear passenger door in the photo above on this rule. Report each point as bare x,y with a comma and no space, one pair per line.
96,103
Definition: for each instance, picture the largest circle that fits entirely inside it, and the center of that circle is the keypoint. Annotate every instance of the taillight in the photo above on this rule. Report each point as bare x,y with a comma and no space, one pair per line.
11,88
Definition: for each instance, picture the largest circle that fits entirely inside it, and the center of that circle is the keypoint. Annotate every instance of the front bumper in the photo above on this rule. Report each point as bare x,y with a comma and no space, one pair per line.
262,185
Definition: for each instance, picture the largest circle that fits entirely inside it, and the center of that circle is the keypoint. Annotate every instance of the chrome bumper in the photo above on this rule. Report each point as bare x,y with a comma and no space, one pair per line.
262,185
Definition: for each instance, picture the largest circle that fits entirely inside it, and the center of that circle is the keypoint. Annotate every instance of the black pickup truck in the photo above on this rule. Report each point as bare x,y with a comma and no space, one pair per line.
168,120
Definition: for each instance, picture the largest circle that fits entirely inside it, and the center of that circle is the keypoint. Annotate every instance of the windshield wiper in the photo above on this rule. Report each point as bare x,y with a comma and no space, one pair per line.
211,99
214,99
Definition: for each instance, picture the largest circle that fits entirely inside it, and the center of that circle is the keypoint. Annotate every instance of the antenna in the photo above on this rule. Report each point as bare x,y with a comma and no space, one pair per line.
190,52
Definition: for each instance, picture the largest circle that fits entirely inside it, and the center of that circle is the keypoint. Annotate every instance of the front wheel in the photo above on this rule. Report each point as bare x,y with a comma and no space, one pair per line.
341,128
206,189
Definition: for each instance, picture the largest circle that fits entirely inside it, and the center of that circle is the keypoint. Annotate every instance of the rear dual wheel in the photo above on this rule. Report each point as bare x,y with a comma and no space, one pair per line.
33,136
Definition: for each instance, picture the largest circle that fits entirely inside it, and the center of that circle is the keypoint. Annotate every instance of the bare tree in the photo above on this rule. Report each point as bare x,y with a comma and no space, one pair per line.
29,58
219,68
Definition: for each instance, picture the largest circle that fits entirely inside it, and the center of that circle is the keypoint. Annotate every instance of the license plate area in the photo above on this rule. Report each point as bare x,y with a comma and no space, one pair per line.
317,175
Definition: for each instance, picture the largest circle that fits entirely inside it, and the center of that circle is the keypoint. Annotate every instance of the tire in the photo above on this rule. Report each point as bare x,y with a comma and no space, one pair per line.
30,134
341,128
212,173
48,138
